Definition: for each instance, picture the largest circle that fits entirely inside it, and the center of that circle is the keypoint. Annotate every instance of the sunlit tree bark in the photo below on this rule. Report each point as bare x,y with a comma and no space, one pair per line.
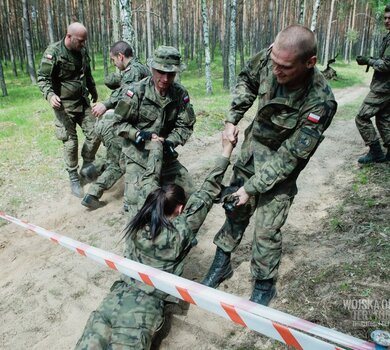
209,84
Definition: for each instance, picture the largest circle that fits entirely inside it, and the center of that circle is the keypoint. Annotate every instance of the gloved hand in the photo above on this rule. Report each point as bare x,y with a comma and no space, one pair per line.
169,149
229,204
362,60
141,137
94,96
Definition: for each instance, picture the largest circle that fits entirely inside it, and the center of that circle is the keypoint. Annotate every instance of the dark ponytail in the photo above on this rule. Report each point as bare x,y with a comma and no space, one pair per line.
158,207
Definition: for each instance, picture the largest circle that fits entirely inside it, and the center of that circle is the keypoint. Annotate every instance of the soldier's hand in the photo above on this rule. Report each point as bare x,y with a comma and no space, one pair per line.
231,132
55,102
227,146
98,109
362,60
243,197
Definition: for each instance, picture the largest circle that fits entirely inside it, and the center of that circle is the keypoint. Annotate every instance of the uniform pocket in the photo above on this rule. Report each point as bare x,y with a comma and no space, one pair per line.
285,119
305,141
60,131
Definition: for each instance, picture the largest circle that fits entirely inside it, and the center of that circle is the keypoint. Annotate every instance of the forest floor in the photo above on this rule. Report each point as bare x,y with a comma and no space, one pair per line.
48,292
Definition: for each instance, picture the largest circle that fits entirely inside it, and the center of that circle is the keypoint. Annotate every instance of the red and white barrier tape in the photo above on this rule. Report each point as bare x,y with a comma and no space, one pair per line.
270,322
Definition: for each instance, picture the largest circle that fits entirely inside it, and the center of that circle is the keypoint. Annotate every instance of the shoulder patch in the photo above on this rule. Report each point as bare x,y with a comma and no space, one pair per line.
186,99
314,118
130,93
49,57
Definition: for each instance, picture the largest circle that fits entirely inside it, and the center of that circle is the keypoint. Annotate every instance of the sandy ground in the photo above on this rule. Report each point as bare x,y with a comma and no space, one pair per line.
48,292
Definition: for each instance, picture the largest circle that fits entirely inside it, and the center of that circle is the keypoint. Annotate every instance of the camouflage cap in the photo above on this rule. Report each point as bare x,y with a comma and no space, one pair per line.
166,59
113,81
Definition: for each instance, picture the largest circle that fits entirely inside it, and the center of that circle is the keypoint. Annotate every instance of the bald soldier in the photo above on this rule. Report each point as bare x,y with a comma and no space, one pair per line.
295,107
65,80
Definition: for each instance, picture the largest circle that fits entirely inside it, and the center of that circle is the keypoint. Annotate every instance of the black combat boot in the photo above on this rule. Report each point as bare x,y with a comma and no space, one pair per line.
220,270
92,202
263,291
374,155
88,173
75,185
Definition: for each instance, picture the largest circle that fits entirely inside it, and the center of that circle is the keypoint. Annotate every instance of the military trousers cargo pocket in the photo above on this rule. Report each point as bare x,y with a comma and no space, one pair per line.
60,131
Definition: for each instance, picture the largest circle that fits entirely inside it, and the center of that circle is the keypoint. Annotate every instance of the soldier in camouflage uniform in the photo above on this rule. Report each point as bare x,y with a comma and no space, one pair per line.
132,312
121,55
377,102
65,79
296,105
155,105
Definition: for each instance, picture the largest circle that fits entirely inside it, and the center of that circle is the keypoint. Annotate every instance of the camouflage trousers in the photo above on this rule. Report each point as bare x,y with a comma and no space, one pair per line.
126,319
271,210
377,105
113,168
65,128
172,172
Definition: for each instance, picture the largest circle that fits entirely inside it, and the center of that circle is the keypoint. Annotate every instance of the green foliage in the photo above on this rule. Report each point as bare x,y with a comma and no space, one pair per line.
353,35
347,75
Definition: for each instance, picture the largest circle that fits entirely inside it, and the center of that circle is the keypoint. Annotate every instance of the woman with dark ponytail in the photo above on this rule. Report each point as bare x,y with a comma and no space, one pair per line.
160,235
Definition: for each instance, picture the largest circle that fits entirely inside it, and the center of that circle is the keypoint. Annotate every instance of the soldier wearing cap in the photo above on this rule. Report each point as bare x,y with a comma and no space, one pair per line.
132,70
65,80
155,105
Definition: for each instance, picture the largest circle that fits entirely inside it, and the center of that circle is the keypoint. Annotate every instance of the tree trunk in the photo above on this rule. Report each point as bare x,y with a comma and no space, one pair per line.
50,21
209,84
240,34
365,30
270,33
327,39
127,28
66,12
9,40
2,81
104,35
27,40
375,34
302,11
81,17
346,54
115,20
232,46
316,6
175,24
148,28
226,45
351,30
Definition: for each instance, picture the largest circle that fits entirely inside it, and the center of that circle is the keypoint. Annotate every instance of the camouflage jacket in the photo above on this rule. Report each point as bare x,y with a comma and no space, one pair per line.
381,79
285,130
135,71
68,75
142,109
168,250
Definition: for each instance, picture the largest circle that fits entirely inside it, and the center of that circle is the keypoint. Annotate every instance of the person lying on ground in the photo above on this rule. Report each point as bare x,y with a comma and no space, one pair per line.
160,235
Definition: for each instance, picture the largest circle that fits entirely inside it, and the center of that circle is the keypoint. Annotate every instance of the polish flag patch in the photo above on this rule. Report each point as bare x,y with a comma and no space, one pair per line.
130,93
314,118
49,57
186,99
